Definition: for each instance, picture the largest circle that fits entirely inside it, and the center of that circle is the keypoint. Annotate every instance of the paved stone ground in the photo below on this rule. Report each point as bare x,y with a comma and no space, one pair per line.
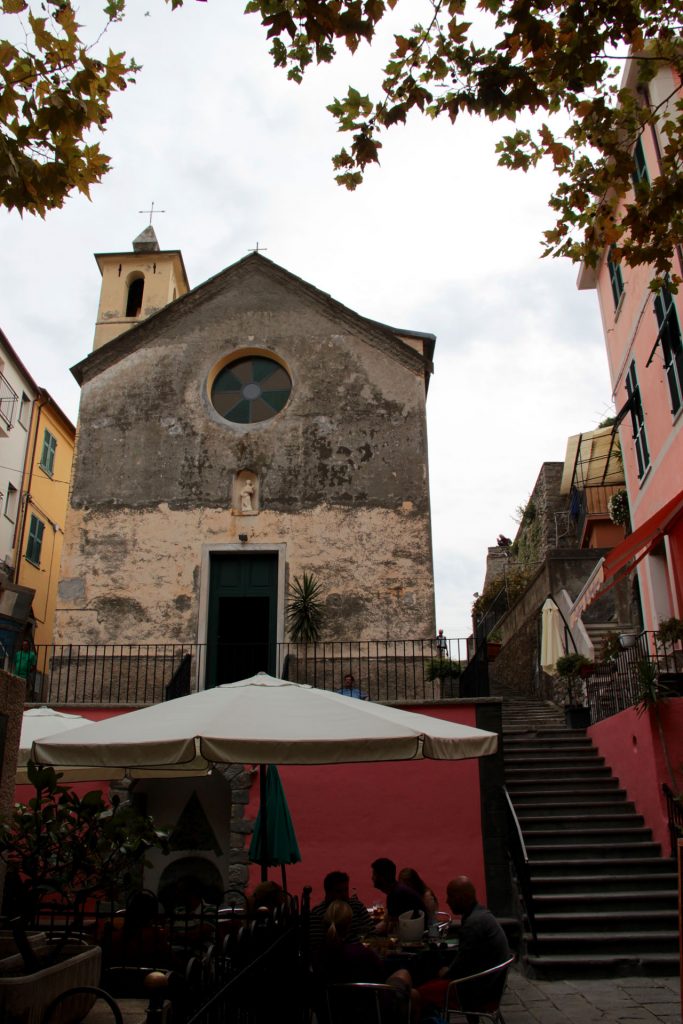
589,1001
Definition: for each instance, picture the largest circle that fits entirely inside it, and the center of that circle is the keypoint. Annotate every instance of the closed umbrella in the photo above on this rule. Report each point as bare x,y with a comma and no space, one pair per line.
552,636
273,843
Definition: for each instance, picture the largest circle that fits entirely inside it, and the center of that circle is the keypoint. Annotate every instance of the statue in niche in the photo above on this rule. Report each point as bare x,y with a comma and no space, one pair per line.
246,495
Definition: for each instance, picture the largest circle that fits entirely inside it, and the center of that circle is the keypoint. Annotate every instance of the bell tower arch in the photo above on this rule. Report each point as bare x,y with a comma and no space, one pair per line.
137,284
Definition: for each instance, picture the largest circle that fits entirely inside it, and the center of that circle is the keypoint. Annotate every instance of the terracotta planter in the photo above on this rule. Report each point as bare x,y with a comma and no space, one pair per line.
25,997
492,650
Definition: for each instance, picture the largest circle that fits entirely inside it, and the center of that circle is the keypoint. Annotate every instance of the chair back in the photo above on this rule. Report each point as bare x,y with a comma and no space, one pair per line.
367,1003
480,992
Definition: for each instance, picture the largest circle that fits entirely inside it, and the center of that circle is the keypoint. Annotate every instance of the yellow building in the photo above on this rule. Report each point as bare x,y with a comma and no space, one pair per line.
44,498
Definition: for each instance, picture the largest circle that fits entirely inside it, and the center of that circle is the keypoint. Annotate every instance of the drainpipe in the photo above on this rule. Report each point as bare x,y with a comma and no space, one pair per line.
20,543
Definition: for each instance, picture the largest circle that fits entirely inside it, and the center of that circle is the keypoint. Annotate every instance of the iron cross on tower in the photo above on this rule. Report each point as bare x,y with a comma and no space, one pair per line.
153,211
258,248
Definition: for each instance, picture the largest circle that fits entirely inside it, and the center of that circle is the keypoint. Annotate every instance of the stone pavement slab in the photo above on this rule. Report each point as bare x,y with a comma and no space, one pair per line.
592,1001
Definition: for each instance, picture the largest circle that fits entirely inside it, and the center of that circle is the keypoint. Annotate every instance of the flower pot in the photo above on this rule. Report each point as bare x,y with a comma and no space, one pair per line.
577,716
627,640
25,997
492,650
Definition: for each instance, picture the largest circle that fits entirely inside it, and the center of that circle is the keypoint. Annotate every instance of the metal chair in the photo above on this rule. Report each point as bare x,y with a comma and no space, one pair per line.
443,920
466,1001
365,1002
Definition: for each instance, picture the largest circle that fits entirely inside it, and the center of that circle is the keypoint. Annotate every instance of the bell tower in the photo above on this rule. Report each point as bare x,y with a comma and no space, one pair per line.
136,284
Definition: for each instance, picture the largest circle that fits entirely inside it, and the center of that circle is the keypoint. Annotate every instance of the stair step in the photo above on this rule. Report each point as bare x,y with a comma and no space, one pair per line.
635,943
601,901
615,922
646,886
602,789
622,864
533,823
614,803
591,851
560,966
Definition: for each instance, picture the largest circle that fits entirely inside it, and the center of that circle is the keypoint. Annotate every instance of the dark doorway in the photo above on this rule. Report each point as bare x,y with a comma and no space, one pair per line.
242,617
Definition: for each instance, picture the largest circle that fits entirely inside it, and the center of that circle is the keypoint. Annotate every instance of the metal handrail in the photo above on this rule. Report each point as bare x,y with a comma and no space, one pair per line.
520,860
674,812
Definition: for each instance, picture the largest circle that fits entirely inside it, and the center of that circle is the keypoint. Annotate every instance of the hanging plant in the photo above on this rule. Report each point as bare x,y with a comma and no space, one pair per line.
305,614
617,507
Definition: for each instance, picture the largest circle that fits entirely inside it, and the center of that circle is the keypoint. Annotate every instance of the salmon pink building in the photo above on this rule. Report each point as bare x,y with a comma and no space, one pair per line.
645,354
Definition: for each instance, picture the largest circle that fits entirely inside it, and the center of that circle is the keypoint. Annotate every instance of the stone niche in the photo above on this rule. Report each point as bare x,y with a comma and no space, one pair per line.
245,493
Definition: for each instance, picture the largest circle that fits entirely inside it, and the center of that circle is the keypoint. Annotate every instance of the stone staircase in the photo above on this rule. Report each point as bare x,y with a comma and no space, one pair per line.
605,899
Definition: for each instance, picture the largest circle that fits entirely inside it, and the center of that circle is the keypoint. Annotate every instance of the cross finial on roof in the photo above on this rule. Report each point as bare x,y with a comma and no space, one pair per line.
153,211
258,248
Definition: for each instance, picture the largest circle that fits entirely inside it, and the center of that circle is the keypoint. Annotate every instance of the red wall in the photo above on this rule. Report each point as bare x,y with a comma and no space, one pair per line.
632,748
422,814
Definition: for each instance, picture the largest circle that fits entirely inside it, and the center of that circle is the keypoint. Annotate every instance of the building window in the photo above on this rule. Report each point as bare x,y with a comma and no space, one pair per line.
639,173
672,346
134,301
251,389
35,540
24,409
637,420
47,456
11,502
616,278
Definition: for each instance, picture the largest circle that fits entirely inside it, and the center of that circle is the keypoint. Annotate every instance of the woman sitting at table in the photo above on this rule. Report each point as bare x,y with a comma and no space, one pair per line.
410,877
341,960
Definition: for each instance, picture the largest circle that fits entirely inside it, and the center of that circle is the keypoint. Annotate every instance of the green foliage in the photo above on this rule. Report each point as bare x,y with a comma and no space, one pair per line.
611,648
515,582
569,665
442,668
618,509
305,614
59,844
650,689
670,631
550,58
55,89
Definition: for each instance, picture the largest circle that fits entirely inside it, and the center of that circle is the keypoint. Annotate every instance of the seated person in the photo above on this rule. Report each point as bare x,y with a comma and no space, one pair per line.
340,958
336,887
400,897
410,877
267,895
136,939
482,945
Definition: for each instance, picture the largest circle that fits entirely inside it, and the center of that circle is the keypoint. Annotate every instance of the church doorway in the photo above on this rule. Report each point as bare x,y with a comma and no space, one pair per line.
242,618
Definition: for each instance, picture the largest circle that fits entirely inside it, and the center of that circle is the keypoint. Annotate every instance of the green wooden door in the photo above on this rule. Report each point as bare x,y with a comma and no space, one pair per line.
241,636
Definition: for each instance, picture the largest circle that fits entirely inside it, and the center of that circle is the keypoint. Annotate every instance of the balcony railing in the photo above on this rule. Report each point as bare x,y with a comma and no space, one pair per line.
615,685
591,501
139,674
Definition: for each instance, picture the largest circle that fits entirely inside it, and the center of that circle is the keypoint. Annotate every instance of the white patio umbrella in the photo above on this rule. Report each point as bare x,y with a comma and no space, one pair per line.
261,720
38,723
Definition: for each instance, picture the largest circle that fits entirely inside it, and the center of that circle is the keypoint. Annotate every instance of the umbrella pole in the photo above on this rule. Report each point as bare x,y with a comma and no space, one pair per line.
264,823
284,878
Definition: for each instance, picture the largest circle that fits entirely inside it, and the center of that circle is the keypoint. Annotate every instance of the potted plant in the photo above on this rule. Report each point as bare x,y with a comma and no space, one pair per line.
447,672
305,612
617,508
570,692
669,636
63,849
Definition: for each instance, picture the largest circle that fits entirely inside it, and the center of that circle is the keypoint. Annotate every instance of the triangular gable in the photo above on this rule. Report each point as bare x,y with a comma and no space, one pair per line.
374,333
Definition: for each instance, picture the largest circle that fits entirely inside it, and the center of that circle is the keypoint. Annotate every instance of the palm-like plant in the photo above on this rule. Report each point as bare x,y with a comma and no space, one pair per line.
305,614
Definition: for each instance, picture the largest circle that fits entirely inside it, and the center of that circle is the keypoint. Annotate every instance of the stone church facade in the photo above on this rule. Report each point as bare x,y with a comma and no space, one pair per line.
248,431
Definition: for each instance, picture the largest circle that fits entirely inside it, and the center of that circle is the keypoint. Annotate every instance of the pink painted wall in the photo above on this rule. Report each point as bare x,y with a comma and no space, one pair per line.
631,747
421,814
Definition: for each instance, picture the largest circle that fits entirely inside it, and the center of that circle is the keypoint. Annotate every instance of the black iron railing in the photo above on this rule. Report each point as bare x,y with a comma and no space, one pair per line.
520,861
674,812
615,684
138,674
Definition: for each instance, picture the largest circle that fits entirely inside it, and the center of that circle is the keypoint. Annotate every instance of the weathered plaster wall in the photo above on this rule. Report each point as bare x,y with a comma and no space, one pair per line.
342,470
133,576
12,692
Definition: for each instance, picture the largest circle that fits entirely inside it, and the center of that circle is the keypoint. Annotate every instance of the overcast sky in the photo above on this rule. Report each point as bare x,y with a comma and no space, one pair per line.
438,239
